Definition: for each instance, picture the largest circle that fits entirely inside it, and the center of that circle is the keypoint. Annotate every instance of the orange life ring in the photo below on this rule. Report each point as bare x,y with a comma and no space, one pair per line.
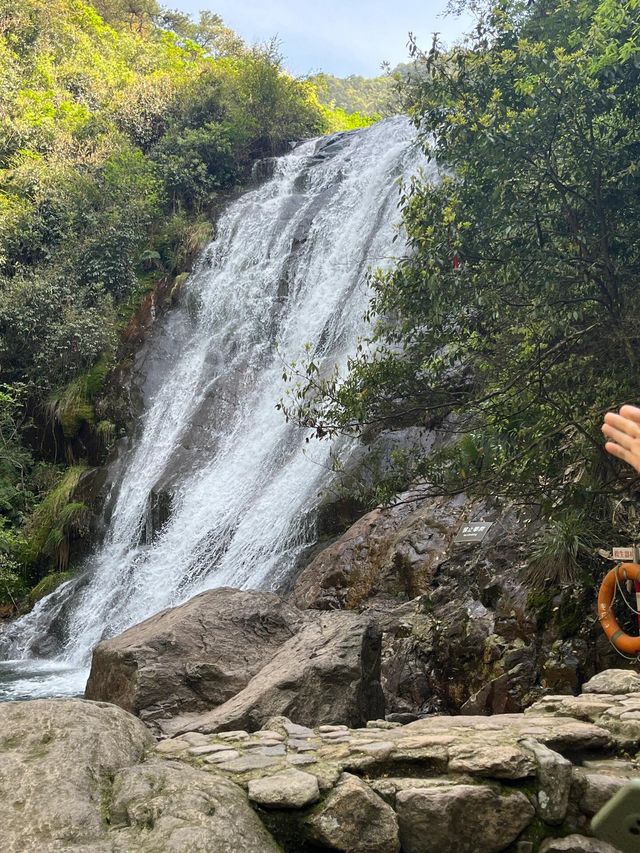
621,573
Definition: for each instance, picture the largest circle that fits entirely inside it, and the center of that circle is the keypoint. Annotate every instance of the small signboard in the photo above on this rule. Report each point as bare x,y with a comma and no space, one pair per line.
473,532
627,555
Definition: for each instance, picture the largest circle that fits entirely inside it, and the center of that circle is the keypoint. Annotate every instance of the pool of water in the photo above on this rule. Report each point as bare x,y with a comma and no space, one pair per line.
40,679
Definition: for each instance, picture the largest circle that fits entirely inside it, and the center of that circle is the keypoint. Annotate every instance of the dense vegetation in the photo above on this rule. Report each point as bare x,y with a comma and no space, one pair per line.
514,320
366,96
122,126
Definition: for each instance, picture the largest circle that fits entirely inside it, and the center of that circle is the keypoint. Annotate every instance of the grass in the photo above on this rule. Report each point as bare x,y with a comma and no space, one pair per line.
55,519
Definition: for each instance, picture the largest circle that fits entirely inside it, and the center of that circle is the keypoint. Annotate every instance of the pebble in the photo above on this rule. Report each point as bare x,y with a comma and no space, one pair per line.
238,735
325,729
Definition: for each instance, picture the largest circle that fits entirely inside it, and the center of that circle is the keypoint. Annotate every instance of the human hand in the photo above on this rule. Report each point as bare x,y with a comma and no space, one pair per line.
623,430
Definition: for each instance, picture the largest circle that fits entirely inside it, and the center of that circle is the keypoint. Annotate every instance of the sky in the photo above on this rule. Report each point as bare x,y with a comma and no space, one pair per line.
340,37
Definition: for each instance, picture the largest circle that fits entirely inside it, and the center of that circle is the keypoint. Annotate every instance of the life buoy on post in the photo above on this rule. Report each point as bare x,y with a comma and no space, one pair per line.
621,573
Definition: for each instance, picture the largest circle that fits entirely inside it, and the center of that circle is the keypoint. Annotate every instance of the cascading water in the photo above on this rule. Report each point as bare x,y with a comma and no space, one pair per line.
287,269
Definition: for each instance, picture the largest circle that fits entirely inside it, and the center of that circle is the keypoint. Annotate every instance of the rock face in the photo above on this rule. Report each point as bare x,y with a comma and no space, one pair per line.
193,657
329,672
387,551
463,631
169,806
462,784
354,819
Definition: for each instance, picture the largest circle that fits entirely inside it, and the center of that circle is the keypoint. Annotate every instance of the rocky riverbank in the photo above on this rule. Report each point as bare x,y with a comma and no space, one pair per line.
88,776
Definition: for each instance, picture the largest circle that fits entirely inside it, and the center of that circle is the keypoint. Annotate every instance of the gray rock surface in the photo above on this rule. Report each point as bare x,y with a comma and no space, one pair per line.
596,788
355,820
56,762
554,781
73,779
292,789
168,806
85,777
193,657
613,681
460,819
327,673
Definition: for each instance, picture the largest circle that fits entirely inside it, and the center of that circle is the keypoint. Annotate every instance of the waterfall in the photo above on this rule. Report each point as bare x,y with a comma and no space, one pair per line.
286,274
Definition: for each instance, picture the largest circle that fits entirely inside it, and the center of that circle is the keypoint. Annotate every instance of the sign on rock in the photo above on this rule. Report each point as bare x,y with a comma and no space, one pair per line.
625,554
473,532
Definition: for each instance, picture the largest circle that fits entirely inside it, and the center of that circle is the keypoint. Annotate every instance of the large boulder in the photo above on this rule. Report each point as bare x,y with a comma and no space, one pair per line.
56,764
193,657
329,672
73,779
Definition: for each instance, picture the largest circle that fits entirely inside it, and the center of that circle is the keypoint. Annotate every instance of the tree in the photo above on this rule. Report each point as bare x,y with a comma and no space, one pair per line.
516,313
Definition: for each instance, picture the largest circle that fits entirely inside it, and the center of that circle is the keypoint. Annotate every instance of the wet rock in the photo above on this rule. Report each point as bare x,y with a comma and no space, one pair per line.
393,550
354,819
291,789
327,673
193,657
460,819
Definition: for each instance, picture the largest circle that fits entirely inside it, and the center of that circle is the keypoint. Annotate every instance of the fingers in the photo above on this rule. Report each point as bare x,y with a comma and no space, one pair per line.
627,425
622,436
625,455
631,412
623,432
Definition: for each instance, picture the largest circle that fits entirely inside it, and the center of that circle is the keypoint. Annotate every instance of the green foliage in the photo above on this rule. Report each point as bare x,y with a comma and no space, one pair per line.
515,314
73,406
564,544
47,585
122,126
55,521
338,119
12,586
356,94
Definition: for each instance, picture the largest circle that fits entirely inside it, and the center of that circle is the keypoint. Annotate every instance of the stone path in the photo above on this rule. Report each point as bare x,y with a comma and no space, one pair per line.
464,784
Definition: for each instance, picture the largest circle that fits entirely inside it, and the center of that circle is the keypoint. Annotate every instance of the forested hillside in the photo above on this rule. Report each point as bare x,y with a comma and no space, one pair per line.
368,96
122,127
513,323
